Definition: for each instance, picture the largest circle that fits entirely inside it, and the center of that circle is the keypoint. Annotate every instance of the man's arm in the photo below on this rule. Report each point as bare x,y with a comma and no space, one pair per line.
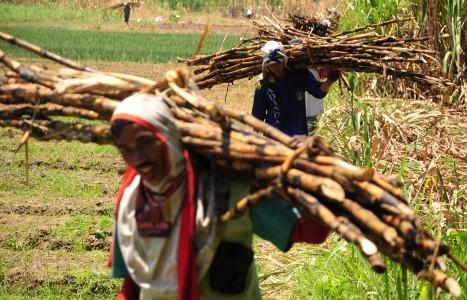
259,105
320,89
333,76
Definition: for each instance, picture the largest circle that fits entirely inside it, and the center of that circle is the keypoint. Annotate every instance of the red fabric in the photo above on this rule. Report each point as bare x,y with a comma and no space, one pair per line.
308,230
322,74
129,290
186,268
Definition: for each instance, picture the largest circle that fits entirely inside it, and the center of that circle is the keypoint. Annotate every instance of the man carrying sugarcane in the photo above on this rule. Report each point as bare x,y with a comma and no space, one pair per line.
279,98
126,12
169,240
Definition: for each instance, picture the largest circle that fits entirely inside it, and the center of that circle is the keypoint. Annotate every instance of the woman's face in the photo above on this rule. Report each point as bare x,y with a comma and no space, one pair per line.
143,151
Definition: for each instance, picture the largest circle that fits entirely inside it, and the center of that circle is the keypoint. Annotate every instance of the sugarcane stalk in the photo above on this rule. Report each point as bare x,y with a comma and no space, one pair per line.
99,84
315,209
440,279
457,261
250,200
376,194
391,188
233,146
44,110
370,221
375,259
321,185
207,133
259,126
327,171
225,153
345,168
55,130
263,174
30,93
25,73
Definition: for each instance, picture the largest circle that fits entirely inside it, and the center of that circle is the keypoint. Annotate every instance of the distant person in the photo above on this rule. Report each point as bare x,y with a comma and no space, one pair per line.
280,96
126,12
249,13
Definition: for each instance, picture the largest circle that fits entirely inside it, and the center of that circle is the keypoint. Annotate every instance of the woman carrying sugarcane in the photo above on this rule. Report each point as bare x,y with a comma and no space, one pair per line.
279,98
169,241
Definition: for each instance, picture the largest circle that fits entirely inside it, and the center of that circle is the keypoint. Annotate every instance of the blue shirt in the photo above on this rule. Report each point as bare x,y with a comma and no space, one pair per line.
282,103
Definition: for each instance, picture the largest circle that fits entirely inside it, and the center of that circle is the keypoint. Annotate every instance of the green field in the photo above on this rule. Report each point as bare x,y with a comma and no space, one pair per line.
26,13
115,46
55,229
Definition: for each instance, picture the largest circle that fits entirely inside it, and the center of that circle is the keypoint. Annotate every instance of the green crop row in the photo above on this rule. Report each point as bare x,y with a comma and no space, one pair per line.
94,45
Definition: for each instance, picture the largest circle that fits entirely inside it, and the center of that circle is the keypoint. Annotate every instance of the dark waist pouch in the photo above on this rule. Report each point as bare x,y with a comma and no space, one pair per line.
229,269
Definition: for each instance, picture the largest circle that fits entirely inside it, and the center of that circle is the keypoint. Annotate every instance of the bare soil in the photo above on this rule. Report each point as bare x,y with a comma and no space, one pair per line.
20,205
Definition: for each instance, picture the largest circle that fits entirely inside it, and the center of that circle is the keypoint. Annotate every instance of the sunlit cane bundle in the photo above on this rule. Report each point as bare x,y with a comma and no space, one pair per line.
366,208
359,50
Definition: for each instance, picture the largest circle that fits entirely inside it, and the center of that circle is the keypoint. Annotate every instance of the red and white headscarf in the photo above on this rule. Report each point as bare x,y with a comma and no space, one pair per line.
152,113
162,267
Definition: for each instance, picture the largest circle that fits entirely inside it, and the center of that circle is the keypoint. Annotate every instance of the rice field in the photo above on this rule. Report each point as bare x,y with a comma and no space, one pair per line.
143,47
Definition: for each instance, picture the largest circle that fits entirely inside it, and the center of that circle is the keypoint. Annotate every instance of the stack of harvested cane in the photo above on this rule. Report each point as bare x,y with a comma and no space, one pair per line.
359,50
119,6
316,25
366,208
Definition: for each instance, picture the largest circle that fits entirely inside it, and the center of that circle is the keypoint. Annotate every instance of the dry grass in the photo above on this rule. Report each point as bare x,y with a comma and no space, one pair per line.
422,142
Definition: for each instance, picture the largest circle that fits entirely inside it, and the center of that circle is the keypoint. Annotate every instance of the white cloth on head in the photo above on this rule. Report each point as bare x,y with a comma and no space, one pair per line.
152,261
273,51
272,46
152,110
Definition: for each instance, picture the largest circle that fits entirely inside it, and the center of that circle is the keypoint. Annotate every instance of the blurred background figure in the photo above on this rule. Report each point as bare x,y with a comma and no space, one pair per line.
249,13
126,12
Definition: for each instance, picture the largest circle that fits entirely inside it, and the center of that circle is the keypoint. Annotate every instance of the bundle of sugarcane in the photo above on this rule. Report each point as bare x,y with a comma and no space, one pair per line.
356,50
317,25
366,208
122,4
